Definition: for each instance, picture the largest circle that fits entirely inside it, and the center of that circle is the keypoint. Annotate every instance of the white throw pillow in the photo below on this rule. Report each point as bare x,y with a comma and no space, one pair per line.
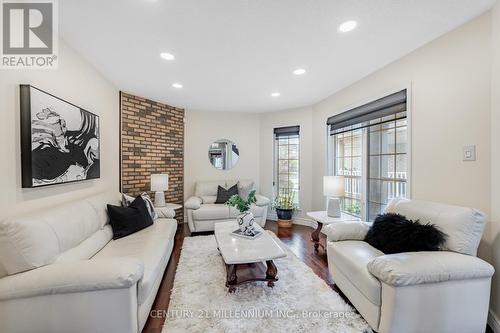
244,188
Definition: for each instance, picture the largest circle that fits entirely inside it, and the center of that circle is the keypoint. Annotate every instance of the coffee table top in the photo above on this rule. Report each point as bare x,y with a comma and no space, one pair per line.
238,250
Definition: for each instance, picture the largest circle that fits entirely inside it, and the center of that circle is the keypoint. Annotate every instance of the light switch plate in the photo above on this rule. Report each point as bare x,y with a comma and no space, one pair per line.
469,153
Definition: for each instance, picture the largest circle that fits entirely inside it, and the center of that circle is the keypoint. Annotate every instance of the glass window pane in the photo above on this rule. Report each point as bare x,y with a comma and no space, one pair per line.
374,194
388,144
401,137
339,167
356,166
401,122
347,167
283,181
283,141
294,180
388,191
293,166
293,140
293,151
390,124
375,143
347,147
283,152
401,167
374,167
283,166
374,209
356,145
388,167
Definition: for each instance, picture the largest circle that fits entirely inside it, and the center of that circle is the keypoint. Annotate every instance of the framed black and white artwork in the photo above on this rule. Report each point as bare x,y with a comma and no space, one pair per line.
59,140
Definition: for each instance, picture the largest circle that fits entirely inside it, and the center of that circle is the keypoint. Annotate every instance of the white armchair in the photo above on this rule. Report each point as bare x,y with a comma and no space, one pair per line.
444,291
202,212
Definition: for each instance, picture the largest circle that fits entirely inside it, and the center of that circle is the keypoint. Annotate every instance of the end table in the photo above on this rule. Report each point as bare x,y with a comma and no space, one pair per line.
321,217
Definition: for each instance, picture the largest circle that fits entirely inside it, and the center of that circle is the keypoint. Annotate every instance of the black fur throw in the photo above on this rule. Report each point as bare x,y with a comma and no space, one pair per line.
393,233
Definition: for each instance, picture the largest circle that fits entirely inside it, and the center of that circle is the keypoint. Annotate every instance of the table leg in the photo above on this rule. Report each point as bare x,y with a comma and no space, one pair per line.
271,272
315,236
231,277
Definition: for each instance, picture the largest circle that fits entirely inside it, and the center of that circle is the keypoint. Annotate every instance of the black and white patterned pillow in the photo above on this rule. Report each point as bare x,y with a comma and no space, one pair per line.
127,200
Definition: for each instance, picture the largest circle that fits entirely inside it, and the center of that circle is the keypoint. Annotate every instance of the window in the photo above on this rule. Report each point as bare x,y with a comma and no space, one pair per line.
287,161
368,146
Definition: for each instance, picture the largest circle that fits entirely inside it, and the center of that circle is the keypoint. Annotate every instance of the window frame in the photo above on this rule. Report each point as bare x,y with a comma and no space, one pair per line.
276,160
330,148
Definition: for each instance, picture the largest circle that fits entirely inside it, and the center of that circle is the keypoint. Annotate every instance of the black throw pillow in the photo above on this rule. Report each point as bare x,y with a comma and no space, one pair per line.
127,220
223,195
393,233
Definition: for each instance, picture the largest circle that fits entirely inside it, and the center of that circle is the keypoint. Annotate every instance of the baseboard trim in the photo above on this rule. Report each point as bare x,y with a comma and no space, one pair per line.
493,322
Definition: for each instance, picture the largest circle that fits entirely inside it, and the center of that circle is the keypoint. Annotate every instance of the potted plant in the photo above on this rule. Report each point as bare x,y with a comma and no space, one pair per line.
245,218
285,206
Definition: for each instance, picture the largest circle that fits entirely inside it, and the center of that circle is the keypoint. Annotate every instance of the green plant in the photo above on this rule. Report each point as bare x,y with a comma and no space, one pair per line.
241,204
285,200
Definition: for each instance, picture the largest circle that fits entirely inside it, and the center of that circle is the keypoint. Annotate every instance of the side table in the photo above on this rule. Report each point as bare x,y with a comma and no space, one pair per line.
321,217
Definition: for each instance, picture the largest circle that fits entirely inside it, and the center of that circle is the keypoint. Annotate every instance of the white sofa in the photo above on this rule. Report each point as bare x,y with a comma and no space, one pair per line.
60,270
202,212
433,292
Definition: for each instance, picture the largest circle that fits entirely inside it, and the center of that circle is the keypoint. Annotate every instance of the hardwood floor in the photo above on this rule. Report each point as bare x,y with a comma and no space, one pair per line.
297,238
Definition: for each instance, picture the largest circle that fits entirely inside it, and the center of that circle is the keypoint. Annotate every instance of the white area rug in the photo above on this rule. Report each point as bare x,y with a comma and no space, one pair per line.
299,302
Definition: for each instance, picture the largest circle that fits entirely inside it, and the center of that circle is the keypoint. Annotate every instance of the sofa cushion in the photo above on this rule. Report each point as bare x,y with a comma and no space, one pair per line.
208,188
464,226
150,246
38,239
208,199
351,258
211,212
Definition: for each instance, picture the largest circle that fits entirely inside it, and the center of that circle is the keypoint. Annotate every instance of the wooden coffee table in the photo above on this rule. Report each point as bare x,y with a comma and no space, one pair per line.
245,258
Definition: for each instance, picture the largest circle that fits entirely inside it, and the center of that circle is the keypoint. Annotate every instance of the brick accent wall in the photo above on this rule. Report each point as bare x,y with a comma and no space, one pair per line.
151,141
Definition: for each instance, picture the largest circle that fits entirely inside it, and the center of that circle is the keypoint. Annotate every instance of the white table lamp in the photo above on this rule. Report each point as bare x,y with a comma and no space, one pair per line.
334,189
159,184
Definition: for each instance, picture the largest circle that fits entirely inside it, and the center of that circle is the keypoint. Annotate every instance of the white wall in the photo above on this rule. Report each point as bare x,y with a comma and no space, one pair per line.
270,121
450,107
75,81
203,128
494,235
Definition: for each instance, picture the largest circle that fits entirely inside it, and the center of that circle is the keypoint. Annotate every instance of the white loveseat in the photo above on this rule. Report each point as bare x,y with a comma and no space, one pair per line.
60,270
203,213
433,292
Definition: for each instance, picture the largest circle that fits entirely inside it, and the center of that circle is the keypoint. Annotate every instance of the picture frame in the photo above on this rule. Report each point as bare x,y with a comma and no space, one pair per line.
60,142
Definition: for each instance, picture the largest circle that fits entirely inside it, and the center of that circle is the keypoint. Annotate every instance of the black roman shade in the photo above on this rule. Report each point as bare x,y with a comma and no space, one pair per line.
371,114
286,131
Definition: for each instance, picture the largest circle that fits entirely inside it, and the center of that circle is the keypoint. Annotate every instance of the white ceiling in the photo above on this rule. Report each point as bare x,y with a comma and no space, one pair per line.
232,54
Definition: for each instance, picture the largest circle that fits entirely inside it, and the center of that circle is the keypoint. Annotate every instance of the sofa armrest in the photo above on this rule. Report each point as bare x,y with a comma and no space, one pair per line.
346,231
261,200
70,277
413,268
193,203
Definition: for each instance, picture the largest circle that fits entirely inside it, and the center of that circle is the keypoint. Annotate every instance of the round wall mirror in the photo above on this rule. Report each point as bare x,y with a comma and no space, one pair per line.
223,154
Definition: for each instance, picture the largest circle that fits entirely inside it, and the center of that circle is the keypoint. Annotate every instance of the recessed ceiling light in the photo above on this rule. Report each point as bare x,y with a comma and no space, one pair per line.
348,26
167,56
276,94
299,71
177,85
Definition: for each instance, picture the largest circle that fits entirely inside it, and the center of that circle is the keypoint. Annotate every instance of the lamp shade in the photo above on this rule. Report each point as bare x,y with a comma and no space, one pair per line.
333,186
159,183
